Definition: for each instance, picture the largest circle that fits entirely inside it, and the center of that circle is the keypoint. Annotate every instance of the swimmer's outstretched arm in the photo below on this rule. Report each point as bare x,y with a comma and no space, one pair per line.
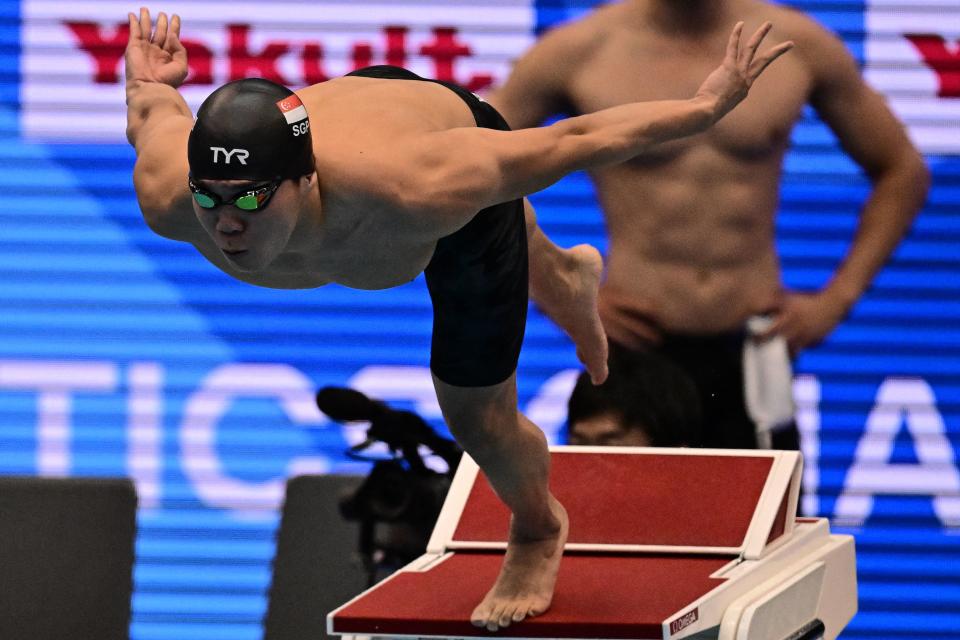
504,165
156,64
158,123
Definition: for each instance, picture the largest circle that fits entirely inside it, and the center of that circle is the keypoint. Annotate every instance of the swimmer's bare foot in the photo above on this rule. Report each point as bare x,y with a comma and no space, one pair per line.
524,587
569,298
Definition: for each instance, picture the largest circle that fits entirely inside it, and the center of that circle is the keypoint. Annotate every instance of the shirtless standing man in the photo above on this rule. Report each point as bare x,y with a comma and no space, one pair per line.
691,222
369,180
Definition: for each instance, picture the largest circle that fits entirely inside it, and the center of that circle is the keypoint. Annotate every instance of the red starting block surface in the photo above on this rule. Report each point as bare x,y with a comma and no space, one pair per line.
634,502
664,543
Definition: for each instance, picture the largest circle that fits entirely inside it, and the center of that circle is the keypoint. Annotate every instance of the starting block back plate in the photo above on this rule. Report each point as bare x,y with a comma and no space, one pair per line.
654,499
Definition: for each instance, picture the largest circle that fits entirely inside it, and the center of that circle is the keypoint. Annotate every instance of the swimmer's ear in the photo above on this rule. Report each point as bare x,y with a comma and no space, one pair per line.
308,181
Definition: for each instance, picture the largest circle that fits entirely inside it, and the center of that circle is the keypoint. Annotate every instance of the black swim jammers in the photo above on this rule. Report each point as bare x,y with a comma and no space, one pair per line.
477,277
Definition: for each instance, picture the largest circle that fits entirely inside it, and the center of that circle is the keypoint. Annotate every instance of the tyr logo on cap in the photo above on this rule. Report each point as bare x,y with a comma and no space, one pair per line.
242,155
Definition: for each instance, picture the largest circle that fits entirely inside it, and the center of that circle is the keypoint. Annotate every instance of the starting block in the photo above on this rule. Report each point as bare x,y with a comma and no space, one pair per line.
663,544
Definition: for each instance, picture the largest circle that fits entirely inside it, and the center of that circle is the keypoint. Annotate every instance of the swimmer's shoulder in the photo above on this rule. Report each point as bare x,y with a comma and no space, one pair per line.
160,180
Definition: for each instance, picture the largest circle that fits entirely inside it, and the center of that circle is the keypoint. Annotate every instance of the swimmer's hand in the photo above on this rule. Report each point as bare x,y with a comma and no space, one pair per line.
155,55
731,81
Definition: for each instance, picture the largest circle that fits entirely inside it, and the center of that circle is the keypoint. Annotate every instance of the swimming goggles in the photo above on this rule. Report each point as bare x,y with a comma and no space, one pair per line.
252,199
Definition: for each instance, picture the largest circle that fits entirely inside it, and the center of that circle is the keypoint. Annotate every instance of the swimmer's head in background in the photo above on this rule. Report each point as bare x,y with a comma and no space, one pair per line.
251,129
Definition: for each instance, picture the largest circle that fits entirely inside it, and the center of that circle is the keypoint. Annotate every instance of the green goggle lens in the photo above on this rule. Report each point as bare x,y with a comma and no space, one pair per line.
252,200
204,200
249,202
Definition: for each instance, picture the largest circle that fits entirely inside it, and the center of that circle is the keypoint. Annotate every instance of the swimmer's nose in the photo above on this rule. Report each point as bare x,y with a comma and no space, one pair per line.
229,225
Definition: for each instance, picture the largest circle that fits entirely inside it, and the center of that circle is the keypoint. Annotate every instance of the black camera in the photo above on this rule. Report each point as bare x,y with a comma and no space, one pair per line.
398,503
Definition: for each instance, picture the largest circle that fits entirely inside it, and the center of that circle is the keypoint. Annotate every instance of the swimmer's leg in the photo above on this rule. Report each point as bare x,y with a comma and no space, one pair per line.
478,281
564,285
512,452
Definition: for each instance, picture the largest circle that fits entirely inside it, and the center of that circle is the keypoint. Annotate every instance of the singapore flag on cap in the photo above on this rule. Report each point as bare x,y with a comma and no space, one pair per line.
293,109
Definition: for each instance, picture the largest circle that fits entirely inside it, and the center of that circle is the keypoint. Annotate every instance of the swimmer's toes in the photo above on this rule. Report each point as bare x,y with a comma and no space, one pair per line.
506,616
536,610
493,621
480,616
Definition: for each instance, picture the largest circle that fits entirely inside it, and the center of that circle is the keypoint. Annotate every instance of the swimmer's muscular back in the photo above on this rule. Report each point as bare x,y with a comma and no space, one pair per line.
691,220
357,123
369,136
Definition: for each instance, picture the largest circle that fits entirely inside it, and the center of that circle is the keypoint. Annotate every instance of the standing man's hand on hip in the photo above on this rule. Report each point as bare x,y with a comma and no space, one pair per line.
805,319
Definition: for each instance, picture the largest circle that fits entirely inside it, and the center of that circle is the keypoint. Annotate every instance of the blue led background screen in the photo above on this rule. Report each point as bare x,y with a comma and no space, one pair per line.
122,353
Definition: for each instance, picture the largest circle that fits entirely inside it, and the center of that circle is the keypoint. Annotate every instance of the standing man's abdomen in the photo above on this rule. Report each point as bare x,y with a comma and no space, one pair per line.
687,257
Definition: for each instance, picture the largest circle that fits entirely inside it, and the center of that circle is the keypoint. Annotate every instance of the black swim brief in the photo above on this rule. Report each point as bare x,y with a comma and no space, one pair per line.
477,277
714,365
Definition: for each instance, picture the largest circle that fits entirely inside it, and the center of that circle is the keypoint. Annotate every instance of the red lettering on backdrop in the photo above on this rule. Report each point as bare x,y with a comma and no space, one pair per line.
397,46
106,51
946,64
362,55
199,61
313,64
479,82
444,50
244,64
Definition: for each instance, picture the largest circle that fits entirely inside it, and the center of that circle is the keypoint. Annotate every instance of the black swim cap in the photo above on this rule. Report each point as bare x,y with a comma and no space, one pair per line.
251,129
